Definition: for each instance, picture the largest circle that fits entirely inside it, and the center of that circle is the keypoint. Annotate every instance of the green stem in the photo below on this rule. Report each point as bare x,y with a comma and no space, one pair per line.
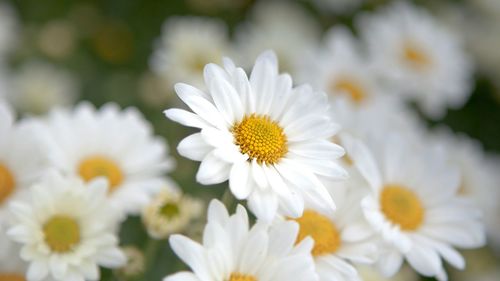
150,254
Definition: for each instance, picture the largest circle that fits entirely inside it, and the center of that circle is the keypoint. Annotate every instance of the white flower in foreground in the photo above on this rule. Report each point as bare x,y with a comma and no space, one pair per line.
419,57
269,139
233,252
282,26
65,229
338,6
21,159
340,69
170,212
112,143
479,175
413,205
341,238
12,268
187,44
38,86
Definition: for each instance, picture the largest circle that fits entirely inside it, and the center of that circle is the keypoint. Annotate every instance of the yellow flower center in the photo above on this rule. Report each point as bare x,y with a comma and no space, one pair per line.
351,87
62,233
241,277
260,138
402,207
7,183
100,166
169,210
322,230
415,56
11,277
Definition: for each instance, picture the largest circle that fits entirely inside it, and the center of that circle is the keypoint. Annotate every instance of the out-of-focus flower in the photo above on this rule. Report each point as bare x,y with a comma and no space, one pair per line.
369,273
8,29
152,90
39,86
187,44
282,26
57,39
136,263
419,57
65,229
268,138
12,267
112,143
21,159
482,265
170,212
340,69
341,238
413,205
479,175
263,252
338,6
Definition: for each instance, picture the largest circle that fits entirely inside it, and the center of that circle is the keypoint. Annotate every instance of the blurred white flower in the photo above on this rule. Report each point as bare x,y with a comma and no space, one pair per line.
39,86
112,143
65,229
479,175
413,205
269,139
340,69
186,45
417,55
233,252
282,26
8,29
136,263
170,212
22,161
338,6
341,238
12,267
369,273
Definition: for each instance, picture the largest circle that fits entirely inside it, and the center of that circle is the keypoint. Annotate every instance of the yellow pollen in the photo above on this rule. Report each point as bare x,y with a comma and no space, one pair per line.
402,207
322,230
241,277
260,138
100,166
11,277
7,183
351,87
62,233
415,56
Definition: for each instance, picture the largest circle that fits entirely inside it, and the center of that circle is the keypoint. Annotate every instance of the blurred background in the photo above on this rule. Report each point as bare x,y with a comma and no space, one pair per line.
60,52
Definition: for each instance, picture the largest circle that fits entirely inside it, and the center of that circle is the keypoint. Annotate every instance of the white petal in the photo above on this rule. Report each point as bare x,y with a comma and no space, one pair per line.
239,180
263,204
194,147
185,118
182,276
213,170
192,254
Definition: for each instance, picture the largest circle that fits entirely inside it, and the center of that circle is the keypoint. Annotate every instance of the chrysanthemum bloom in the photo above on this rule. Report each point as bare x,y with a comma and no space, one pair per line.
187,44
271,140
112,143
413,205
21,159
66,229
419,57
233,252
170,212
342,238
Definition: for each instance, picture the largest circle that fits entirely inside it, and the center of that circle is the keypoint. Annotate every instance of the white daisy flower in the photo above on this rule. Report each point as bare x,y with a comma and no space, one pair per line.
341,238
170,212
340,69
39,86
419,57
112,143
269,139
338,6
233,252
282,26
66,233
413,205
12,267
22,161
479,179
186,45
